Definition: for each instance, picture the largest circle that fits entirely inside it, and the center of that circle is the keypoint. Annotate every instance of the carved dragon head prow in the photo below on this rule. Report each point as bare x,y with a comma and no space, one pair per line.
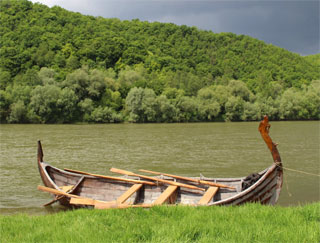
264,128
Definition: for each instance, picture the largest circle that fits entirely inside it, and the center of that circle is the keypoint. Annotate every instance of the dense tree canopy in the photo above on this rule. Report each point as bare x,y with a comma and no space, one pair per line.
60,66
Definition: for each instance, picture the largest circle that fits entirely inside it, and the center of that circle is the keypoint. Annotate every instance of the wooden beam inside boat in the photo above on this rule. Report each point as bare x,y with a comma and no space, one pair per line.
67,189
209,183
124,172
112,177
83,201
110,205
209,194
57,198
129,193
165,195
56,192
75,199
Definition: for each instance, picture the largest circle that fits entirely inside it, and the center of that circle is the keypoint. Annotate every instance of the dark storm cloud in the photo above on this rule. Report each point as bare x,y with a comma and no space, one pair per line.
293,25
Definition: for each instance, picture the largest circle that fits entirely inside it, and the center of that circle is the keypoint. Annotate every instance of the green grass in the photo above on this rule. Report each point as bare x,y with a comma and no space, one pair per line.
248,223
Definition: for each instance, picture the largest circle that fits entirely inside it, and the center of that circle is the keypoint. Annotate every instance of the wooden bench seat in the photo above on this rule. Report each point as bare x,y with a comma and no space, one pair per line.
208,195
169,192
129,193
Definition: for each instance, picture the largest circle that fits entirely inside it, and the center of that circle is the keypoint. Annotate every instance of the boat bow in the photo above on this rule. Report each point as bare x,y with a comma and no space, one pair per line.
264,128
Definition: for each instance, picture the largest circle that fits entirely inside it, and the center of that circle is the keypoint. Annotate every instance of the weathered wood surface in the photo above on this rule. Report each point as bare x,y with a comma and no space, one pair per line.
271,180
56,192
265,192
188,179
209,194
67,189
129,193
83,201
113,192
165,195
76,199
110,205
111,177
124,172
40,152
264,128
57,198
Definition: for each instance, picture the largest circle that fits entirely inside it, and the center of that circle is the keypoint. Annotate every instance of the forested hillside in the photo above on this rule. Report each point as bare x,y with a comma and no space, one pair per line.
58,66
314,60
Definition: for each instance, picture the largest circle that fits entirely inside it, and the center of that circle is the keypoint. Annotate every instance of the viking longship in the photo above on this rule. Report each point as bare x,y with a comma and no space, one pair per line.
76,189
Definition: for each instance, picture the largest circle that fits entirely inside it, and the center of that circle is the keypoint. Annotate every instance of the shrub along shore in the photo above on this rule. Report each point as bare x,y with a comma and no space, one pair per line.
247,223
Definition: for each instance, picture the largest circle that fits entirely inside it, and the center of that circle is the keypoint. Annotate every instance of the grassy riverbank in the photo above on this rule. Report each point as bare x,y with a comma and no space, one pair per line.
249,223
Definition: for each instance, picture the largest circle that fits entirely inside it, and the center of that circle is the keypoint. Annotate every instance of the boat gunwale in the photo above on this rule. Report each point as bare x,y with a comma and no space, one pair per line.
227,179
250,189
45,166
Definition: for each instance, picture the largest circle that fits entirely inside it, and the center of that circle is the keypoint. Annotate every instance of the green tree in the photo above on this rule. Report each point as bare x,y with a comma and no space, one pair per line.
312,100
208,111
251,112
72,62
78,81
141,104
30,78
5,102
209,107
5,79
292,105
187,109
234,108
105,115
166,112
128,78
96,84
47,76
239,89
173,93
18,113
86,107
51,104
269,107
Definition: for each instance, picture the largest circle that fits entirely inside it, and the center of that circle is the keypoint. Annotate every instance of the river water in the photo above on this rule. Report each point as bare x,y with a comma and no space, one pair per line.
212,149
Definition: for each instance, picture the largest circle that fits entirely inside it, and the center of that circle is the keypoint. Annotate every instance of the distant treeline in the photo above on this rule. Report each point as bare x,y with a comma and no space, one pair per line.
99,96
58,66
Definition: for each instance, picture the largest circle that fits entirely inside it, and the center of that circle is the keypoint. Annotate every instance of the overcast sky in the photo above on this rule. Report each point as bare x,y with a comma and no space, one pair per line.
293,25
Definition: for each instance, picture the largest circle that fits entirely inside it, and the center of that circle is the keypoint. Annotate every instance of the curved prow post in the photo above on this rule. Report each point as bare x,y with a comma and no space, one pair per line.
40,152
264,128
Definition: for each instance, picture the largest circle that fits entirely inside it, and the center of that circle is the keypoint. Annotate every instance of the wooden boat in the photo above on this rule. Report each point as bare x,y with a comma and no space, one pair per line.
80,189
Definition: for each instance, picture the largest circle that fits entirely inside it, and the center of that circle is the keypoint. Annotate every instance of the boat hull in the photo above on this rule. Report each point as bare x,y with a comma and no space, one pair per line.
263,187
265,191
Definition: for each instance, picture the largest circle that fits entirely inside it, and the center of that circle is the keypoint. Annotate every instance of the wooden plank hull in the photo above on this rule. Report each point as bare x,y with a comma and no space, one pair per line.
265,191
263,187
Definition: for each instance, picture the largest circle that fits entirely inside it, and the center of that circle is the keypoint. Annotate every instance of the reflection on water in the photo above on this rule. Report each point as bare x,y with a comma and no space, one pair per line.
213,149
